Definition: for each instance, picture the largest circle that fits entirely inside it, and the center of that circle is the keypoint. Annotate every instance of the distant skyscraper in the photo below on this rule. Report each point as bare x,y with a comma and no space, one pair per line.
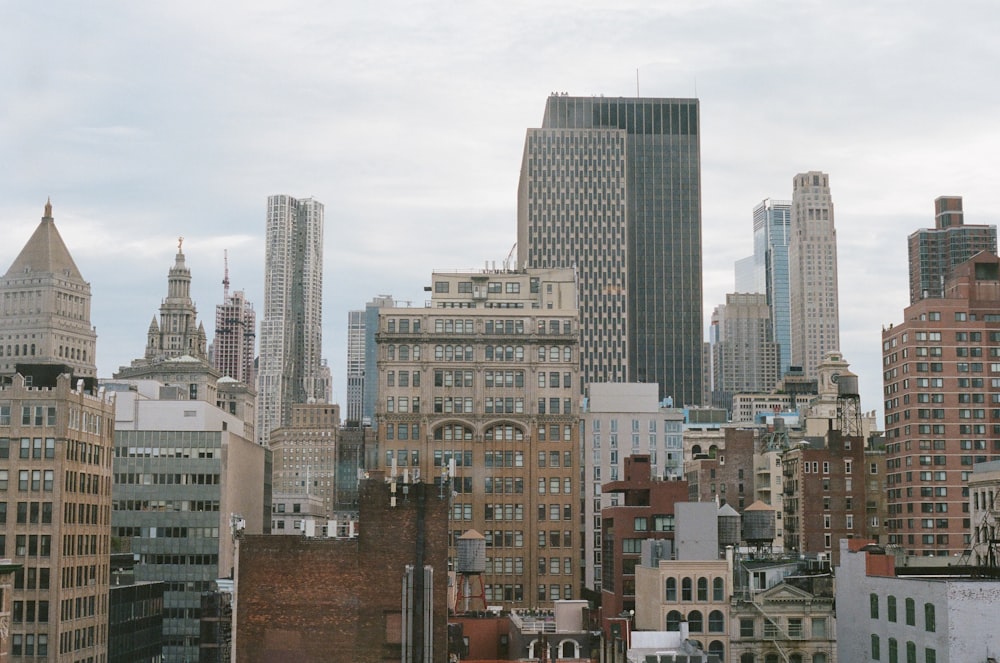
235,335
370,389
290,368
612,187
934,252
771,224
744,354
46,307
812,272
355,364
178,333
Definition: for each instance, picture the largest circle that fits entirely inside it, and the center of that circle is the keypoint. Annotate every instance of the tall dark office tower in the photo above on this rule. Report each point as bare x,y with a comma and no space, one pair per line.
934,252
612,187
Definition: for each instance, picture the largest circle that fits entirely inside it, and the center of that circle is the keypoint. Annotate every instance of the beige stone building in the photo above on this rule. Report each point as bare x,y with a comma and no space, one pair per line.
305,454
692,593
485,381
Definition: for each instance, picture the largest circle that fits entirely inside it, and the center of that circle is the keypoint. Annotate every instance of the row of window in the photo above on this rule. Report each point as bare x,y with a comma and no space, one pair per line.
687,593
930,655
929,625
552,353
34,480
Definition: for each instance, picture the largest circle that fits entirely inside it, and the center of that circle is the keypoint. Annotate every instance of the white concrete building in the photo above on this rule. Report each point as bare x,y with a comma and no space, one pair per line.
927,615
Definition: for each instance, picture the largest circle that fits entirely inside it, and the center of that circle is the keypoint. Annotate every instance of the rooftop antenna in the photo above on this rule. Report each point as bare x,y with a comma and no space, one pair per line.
637,82
225,278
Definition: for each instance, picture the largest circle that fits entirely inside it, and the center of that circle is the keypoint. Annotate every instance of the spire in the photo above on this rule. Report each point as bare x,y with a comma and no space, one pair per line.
225,278
45,252
48,208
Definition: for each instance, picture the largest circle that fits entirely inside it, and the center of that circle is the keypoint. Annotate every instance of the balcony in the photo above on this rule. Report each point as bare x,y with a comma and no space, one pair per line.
540,622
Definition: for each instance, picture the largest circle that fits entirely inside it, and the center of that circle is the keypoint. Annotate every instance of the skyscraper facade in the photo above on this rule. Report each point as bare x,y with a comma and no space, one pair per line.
355,364
812,272
940,384
484,383
771,226
46,307
612,187
934,252
290,368
234,345
370,388
55,459
744,354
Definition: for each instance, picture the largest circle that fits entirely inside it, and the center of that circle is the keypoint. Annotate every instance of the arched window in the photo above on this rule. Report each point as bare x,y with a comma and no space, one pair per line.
695,621
567,353
873,605
554,353
716,622
893,650
686,589
795,658
416,352
695,450
702,589
911,612
911,652
876,647
569,649
718,590
468,353
439,352
716,647
890,603
748,657
673,620
930,624
671,594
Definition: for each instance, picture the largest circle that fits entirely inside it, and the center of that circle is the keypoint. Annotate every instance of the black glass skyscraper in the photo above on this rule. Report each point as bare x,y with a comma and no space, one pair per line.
612,186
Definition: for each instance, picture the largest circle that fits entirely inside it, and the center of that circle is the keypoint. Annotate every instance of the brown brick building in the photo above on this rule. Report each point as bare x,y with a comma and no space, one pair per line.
646,512
335,600
941,377
824,497
486,380
726,471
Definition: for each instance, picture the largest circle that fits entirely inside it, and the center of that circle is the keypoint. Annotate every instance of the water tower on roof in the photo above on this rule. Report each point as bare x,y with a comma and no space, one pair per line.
469,568
759,526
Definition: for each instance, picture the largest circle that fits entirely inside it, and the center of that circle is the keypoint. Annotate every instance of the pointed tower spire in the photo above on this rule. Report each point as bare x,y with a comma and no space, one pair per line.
48,208
225,278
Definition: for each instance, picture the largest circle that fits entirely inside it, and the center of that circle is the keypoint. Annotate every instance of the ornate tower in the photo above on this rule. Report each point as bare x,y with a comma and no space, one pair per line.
45,307
178,331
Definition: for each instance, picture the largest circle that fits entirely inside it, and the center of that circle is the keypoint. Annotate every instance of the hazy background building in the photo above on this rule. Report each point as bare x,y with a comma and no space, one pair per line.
234,346
370,389
612,187
771,235
290,366
177,332
355,365
934,252
745,357
812,272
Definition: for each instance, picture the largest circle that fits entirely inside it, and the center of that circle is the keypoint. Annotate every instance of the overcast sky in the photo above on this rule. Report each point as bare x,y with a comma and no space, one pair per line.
148,121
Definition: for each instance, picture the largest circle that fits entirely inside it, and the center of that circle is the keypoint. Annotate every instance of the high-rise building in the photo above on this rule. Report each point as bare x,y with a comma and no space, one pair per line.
305,453
55,459
235,335
178,332
612,187
744,354
370,388
290,369
355,365
55,487
812,272
934,252
771,225
46,307
186,481
486,380
940,389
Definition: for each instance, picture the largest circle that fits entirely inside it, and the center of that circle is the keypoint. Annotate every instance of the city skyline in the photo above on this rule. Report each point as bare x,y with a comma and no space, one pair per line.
195,150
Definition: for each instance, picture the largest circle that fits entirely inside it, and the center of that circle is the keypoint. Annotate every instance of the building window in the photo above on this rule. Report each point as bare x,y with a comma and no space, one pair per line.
876,646
746,628
671,593
911,616
686,589
930,624
891,610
